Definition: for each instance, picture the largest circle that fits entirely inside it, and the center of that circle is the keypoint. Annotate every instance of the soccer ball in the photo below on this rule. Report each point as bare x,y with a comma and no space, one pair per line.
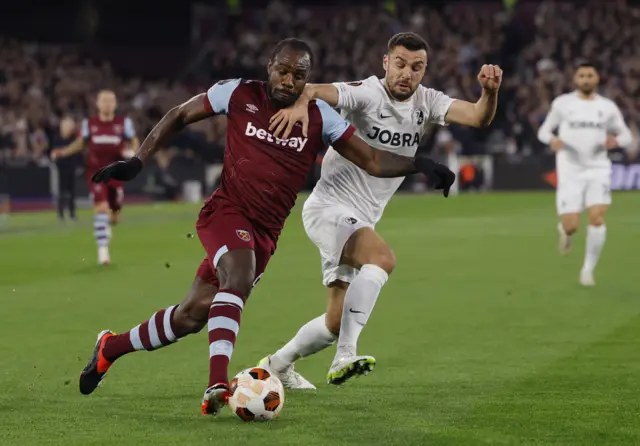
256,395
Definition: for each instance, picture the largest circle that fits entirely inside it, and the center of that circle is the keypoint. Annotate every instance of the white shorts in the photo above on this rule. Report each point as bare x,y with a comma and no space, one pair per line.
329,226
581,190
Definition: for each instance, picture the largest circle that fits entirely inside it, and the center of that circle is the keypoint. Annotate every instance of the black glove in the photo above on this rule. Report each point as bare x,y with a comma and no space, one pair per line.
439,177
121,171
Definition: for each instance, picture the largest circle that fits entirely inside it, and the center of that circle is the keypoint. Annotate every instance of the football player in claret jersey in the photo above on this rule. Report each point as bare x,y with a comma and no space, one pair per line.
110,137
588,125
240,223
392,115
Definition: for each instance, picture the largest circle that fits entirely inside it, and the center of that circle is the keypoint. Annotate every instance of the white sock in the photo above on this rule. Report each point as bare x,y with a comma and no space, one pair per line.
561,230
596,236
312,337
359,301
101,229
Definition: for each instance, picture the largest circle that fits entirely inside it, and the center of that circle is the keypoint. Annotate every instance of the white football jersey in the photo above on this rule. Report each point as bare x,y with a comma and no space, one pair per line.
385,124
583,125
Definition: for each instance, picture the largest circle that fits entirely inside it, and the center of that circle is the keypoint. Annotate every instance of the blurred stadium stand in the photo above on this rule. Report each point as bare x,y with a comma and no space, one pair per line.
53,62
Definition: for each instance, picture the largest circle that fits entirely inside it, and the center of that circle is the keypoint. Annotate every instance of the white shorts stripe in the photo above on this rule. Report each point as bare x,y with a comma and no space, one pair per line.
225,323
153,332
228,298
166,323
219,254
134,337
221,348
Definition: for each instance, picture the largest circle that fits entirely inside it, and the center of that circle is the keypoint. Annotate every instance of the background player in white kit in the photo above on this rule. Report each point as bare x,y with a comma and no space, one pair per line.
588,125
340,215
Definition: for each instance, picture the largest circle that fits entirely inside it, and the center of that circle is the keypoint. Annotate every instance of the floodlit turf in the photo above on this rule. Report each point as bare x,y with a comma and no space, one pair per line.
482,335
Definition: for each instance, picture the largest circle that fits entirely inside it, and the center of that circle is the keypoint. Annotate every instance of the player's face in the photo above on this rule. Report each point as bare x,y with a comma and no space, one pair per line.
107,103
405,70
288,74
586,79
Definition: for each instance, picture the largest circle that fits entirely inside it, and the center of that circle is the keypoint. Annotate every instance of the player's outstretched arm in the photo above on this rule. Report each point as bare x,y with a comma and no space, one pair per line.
281,124
384,164
482,112
348,96
195,109
76,146
176,119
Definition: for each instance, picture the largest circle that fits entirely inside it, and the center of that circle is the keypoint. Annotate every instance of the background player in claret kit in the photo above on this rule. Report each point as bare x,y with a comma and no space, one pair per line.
240,223
107,135
340,215
587,126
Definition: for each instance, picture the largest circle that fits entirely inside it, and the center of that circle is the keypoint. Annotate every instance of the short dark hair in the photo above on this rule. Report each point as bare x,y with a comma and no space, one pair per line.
295,44
409,40
586,64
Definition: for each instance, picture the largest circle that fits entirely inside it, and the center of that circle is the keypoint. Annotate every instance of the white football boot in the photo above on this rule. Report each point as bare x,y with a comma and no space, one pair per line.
103,255
346,365
286,374
586,278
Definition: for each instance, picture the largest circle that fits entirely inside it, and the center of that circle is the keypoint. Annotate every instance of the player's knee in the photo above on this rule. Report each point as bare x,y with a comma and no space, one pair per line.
385,259
101,208
570,229
596,220
236,270
240,280
570,226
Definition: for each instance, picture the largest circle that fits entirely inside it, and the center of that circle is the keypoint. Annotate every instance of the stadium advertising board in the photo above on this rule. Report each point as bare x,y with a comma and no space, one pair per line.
538,173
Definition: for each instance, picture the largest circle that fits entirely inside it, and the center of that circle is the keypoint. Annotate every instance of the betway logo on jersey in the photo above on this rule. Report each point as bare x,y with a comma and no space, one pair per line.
106,139
395,139
295,142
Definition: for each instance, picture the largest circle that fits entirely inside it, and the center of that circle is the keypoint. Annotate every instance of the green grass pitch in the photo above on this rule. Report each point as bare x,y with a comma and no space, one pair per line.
482,335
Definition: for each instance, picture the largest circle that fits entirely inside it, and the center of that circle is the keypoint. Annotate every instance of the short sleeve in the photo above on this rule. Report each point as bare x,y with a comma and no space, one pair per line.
353,95
437,103
219,95
84,129
129,130
334,127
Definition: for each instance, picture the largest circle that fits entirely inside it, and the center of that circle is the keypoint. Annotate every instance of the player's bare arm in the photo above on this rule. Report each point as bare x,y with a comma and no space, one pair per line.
377,163
384,164
76,146
482,112
283,121
176,119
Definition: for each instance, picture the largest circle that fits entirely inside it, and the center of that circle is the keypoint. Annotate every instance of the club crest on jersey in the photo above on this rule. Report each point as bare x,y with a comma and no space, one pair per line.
351,220
243,235
117,128
418,116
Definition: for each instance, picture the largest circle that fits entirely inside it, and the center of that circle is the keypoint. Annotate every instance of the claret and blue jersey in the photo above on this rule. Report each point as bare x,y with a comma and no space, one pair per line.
263,174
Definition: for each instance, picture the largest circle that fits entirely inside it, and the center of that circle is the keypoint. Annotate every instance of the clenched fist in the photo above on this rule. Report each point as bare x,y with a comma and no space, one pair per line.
490,77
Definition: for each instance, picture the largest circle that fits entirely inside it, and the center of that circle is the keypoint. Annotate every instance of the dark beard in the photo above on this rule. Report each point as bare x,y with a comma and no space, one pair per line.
276,102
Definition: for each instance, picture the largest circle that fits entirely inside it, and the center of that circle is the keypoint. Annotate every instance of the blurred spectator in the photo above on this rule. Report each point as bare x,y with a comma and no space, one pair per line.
67,168
538,44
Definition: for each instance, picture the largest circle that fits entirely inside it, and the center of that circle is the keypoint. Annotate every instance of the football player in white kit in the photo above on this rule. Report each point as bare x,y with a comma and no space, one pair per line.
341,213
588,125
